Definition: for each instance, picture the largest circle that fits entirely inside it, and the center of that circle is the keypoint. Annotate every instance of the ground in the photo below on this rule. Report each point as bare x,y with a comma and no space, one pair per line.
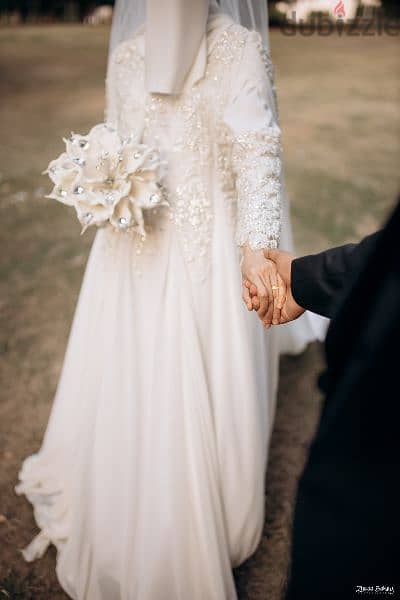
340,119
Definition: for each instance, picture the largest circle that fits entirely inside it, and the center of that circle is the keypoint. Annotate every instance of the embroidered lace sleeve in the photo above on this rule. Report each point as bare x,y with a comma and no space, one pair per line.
256,148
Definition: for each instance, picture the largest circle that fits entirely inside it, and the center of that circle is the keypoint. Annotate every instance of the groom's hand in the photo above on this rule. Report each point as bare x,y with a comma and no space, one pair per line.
283,261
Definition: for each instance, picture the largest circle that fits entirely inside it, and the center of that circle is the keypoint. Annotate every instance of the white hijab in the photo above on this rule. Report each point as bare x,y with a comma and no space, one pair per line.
175,40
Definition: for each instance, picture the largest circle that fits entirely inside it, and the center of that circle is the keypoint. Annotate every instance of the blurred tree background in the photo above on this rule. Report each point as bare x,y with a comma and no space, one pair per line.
39,10
76,10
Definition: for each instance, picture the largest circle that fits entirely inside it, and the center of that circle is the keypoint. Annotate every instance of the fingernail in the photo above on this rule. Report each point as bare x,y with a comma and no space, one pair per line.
275,322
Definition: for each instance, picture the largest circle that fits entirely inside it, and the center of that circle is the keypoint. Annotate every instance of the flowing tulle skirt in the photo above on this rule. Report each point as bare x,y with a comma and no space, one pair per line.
150,480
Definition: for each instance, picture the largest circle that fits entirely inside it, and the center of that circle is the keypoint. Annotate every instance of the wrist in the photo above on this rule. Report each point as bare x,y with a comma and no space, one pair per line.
248,251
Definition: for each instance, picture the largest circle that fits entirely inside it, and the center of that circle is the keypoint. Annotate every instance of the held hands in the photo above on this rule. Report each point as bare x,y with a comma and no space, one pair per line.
280,302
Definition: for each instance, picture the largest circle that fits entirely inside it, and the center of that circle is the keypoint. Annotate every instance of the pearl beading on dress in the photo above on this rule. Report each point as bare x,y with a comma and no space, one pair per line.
257,162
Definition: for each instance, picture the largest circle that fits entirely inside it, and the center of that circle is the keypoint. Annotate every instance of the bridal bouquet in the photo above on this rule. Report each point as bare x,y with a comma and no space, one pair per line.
108,179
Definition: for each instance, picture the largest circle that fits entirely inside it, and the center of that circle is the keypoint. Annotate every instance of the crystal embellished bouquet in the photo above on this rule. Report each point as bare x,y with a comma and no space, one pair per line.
108,179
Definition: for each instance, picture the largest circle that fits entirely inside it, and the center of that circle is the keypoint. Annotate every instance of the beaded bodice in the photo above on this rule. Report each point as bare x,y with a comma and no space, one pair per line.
208,160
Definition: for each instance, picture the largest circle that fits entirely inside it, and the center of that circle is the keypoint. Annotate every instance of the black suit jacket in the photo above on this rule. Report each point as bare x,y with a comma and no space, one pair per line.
347,517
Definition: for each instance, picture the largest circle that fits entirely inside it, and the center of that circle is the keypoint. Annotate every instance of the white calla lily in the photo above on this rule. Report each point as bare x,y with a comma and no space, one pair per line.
61,195
146,193
62,170
92,214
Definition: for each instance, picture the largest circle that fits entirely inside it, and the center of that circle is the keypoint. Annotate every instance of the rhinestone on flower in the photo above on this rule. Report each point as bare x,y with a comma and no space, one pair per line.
78,190
62,193
110,198
123,223
87,217
82,143
154,198
79,161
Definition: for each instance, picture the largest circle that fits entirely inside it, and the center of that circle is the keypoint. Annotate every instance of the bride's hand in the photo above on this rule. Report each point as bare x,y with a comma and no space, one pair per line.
271,290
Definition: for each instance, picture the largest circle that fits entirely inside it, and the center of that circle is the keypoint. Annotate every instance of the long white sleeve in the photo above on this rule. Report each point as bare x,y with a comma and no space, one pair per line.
256,151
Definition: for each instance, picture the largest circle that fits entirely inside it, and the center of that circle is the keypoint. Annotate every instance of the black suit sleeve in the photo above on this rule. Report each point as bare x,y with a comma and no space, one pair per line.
319,280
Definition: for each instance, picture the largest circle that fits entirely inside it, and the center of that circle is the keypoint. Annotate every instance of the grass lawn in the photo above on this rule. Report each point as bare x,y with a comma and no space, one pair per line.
339,107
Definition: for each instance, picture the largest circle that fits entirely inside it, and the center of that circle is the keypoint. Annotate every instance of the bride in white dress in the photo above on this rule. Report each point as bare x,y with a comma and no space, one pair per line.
150,479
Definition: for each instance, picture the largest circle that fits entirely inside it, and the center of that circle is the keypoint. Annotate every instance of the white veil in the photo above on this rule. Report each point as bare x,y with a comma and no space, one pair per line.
252,14
129,15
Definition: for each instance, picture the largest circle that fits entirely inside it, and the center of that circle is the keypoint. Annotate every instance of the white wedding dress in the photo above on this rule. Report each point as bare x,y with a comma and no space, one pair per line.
150,479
